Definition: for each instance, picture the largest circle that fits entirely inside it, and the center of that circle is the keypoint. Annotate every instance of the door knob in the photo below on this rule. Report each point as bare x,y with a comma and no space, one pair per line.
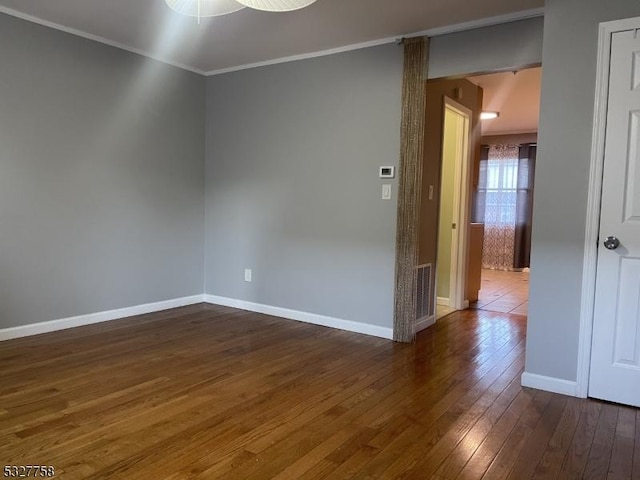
611,243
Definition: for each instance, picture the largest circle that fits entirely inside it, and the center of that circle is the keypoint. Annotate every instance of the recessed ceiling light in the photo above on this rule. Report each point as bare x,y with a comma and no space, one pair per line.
489,115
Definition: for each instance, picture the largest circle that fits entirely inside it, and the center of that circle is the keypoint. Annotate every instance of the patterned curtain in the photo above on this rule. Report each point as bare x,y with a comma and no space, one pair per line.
496,205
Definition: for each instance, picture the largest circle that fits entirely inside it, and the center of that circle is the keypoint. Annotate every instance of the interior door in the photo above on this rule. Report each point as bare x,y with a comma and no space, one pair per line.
615,354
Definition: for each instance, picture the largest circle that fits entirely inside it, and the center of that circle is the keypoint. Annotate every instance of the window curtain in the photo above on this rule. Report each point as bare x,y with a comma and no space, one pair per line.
524,205
504,204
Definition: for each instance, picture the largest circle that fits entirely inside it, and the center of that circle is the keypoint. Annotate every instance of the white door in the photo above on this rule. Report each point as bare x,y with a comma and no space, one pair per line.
615,354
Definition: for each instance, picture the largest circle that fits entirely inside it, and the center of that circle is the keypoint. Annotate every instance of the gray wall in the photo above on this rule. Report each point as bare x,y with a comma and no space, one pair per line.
562,174
293,192
102,195
487,49
101,188
291,172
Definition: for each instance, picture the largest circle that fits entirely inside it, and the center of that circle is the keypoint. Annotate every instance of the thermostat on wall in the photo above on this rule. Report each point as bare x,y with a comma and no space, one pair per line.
387,172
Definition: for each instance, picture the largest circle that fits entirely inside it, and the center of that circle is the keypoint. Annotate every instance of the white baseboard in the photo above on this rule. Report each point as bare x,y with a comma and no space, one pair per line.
64,323
425,322
445,302
91,318
348,325
550,384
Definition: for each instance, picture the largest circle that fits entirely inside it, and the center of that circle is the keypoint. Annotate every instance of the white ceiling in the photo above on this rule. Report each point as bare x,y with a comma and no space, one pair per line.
251,36
515,96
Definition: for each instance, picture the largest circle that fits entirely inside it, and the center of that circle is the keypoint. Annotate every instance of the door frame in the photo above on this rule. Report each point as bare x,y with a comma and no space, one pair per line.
459,239
590,259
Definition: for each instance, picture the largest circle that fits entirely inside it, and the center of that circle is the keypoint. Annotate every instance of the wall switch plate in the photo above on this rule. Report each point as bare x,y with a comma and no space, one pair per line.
247,274
386,191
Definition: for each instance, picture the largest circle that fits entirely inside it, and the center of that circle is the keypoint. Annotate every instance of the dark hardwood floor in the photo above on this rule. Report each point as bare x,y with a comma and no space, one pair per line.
206,392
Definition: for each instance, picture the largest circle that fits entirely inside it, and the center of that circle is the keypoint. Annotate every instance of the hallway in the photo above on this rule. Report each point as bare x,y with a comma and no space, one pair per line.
500,291
505,292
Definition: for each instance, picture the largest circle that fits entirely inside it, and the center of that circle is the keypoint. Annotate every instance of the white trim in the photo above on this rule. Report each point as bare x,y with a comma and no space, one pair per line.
80,320
425,322
550,384
606,30
458,27
480,23
91,318
348,325
304,56
445,302
462,186
96,38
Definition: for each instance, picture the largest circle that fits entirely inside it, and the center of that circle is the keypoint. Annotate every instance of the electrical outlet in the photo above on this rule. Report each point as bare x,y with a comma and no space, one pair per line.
247,275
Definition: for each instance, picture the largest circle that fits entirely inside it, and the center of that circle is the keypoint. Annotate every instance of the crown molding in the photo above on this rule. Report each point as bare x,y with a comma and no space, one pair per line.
433,32
304,56
483,22
96,38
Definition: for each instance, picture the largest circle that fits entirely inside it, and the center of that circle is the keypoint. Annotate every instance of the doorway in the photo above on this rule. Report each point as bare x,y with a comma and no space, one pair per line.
461,100
423,204
493,266
453,212
503,195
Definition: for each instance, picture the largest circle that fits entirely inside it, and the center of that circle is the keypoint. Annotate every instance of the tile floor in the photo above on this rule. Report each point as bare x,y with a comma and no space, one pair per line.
506,292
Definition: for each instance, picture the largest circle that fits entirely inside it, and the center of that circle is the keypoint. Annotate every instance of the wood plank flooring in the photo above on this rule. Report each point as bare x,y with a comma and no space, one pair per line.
206,392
